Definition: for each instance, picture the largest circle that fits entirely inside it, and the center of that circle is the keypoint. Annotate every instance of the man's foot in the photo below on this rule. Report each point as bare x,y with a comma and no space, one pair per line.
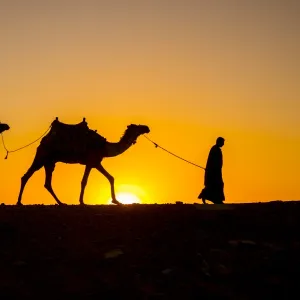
115,201
203,201
218,202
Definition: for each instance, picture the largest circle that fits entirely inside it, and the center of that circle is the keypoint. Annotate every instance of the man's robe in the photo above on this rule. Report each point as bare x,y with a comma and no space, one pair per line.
213,181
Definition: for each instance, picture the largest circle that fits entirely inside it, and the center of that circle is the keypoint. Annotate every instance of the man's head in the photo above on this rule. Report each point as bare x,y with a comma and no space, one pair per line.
220,142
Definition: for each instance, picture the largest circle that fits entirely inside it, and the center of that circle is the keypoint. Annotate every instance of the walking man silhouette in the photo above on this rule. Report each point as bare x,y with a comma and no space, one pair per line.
213,181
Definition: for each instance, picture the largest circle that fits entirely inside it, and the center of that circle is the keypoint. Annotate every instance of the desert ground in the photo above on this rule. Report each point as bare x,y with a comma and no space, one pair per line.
183,251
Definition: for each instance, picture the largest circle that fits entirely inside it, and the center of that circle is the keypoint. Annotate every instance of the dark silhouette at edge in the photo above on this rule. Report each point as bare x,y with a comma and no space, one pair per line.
213,180
3,127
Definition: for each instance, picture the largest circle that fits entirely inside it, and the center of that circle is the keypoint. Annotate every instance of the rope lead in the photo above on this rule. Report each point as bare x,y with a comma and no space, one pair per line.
8,151
157,146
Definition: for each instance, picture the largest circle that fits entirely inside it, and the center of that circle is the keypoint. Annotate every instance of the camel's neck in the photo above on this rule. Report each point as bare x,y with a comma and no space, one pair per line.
114,149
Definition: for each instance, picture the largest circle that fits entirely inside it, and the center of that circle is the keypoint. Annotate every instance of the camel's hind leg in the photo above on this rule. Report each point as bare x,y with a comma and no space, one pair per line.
34,167
49,168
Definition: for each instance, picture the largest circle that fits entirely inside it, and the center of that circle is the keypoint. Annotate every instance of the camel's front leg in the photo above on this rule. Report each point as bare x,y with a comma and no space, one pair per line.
111,181
83,183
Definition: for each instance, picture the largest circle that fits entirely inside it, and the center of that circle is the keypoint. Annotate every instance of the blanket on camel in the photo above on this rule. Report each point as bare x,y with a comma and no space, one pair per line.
72,138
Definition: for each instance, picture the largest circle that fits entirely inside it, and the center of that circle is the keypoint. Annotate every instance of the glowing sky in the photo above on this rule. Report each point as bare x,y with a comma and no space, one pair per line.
190,70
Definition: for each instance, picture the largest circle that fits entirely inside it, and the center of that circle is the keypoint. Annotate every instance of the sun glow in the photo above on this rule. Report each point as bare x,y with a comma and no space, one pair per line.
127,198
129,194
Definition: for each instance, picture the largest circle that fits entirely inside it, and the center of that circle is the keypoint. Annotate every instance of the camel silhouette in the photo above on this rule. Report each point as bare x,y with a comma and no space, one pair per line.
77,144
3,127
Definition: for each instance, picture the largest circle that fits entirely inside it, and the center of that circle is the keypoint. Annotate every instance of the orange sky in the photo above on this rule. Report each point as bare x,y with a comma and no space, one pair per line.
190,70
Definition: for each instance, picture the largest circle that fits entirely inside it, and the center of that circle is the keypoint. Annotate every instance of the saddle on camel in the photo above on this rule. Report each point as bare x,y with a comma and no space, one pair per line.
72,143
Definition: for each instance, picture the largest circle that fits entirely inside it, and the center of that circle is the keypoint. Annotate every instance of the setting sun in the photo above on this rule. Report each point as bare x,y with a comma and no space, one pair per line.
127,198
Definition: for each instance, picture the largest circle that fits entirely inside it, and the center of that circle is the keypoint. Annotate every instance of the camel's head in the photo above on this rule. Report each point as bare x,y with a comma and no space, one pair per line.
136,130
3,127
